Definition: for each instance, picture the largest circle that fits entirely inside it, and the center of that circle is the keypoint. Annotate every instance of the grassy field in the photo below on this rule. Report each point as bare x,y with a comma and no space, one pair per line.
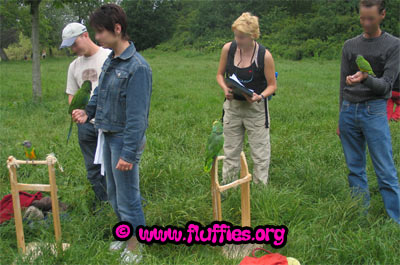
308,190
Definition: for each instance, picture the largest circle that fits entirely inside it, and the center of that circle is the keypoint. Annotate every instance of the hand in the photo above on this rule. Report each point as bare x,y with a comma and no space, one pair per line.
228,94
79,116
123,165
356,78
254,98
338,131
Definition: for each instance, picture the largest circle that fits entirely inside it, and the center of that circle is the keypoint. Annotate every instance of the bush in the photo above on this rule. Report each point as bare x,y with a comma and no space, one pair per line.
184,43
293,53
317,30
210,45
332,51
313,47
17,51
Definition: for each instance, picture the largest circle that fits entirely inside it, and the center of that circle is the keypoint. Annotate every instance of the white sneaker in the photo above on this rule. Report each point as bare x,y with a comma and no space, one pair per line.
117,245
128,257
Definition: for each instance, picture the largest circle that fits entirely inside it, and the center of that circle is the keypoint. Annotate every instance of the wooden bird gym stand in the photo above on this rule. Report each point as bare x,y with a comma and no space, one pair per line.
244,182
16,187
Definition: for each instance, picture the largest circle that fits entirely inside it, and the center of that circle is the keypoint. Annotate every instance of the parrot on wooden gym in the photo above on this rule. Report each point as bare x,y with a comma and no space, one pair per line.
214,144
29,150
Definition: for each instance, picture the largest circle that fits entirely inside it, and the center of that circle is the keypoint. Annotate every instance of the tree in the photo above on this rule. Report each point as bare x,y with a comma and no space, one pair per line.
35,20
150,22
83,8
9,14
52,22
36,77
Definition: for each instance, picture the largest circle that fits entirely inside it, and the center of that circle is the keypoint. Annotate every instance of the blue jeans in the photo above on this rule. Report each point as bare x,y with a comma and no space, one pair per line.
123,186
362,124
87,136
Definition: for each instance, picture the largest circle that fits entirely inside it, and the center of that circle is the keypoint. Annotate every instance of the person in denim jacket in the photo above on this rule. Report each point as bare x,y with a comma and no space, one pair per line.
120,105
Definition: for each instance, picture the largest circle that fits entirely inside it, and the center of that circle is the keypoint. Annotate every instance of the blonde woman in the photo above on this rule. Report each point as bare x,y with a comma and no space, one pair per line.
254,67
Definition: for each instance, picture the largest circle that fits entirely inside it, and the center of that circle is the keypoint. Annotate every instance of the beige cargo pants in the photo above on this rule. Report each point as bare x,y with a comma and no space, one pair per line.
241,116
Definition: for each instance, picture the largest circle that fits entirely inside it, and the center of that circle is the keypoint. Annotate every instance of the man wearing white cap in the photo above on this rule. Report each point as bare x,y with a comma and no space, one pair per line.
86,67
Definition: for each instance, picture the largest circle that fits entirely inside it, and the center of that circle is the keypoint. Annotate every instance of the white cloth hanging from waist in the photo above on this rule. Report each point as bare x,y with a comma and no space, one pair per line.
98,157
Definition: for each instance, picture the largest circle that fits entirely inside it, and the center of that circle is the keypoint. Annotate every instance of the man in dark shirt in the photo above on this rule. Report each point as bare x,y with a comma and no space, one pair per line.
363,97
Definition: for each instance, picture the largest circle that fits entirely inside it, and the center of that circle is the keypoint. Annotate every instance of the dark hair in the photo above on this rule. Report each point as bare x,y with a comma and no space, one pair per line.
105,18
370,3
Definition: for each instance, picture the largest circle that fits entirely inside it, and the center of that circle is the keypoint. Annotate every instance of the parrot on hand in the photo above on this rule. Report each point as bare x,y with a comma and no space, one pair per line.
79,101
364,65
29,150
214,144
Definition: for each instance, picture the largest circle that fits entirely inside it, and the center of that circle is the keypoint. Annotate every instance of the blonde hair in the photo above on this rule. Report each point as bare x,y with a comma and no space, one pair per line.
248,24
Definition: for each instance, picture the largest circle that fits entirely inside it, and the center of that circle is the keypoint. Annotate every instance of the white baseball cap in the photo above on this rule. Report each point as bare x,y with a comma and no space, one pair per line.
70,33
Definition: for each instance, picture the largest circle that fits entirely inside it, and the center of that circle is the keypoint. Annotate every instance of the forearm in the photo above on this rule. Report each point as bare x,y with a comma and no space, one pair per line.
269,91
341,89
92,105
133,135
137,111
383,85
380,86
70,97
90,111
221,82
344,72
340,98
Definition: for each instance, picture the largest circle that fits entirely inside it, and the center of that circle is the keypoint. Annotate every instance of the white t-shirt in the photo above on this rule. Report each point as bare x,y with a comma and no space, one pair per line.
86,68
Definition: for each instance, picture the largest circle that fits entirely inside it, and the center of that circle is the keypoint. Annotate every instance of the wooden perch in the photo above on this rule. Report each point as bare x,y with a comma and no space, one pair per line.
244,182
16,187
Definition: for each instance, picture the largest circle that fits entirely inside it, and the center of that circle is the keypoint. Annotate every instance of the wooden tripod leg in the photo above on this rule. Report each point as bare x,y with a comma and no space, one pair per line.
219,209
17,209
54,203
215,193
245,188
245,192
217,212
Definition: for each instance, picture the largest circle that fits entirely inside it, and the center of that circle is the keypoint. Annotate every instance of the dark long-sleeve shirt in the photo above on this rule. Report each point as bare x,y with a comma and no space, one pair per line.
383,54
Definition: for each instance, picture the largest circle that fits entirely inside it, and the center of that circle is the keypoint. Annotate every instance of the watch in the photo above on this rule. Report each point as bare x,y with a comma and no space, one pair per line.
262,96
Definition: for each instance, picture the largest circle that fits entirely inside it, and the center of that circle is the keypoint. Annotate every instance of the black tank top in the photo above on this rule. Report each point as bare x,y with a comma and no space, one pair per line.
252,77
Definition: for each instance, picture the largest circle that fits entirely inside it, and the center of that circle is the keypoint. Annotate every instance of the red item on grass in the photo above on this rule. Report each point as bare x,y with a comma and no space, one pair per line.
269,259
6,204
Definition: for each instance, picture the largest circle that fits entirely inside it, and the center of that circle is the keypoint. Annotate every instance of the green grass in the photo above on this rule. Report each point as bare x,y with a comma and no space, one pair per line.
307,191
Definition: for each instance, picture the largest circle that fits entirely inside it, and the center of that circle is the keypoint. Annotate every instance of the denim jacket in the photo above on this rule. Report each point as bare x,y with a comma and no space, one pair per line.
121,101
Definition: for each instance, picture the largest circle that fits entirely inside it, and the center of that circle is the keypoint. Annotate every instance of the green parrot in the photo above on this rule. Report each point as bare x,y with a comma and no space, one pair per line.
214,144
364,65
79,101
29,150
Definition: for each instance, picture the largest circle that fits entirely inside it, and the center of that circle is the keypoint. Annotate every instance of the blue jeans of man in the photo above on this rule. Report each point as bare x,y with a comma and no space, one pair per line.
363,124
123,186
87,136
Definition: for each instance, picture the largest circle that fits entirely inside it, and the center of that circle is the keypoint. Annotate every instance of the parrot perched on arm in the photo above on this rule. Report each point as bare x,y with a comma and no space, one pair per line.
29,150
364,65
214,144
79,101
